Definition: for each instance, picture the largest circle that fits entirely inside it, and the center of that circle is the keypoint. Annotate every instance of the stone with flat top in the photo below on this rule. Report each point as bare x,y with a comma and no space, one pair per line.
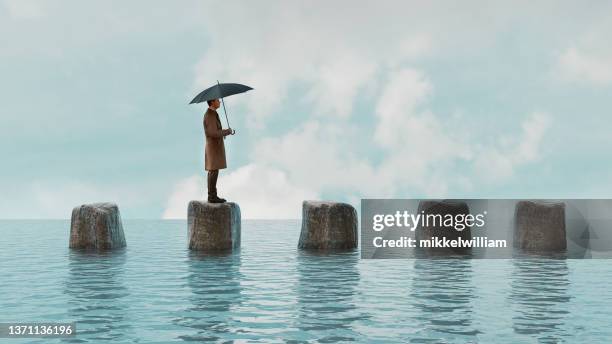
540,226
328,226
96,226
213,226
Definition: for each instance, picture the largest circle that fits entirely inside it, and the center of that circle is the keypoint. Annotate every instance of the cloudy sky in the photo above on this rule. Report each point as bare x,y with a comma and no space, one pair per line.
388,99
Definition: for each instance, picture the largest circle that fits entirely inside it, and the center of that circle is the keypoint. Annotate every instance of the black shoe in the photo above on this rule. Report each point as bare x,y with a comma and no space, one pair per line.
215,199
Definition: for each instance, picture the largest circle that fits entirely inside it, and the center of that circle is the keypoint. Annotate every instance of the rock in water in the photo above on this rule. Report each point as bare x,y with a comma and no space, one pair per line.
435,216
213,226
96,225
328,225
540,226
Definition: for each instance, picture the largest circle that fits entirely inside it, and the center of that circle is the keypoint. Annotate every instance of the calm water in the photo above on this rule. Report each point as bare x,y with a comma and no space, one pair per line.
157,291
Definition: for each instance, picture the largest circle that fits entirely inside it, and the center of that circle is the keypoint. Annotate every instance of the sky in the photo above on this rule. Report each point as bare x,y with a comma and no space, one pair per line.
393,99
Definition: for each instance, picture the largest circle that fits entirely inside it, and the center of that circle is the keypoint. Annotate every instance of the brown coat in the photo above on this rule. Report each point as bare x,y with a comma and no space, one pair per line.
214,152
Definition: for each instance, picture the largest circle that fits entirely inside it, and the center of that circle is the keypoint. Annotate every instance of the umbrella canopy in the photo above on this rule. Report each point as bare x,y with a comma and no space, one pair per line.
220,91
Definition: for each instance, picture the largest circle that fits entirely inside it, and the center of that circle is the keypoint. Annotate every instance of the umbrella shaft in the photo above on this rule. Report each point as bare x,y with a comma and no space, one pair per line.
225,112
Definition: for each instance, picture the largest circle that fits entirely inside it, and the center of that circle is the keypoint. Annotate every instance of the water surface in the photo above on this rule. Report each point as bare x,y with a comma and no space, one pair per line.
157,291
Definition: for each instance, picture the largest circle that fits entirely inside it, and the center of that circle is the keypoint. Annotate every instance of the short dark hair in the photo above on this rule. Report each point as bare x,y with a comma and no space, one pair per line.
210,101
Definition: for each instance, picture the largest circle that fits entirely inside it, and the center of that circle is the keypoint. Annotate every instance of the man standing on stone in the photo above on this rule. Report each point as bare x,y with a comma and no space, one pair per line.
214,153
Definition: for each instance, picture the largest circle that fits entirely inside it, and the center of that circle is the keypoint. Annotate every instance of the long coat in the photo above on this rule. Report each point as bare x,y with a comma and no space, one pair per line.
214,152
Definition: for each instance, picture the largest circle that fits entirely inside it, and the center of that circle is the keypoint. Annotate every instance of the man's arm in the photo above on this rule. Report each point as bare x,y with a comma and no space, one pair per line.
210,128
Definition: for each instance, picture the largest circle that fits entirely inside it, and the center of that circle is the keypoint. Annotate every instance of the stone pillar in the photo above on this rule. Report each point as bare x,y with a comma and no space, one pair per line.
434,227
540,226
213,226
328,225
96,226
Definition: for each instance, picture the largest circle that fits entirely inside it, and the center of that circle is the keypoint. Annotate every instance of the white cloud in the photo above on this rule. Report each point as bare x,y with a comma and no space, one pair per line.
494,163
262,192
325,57
587,55
338,83
283,46
419,143
185,190
420,151
581,65
320,157
55,199
328,58
19,9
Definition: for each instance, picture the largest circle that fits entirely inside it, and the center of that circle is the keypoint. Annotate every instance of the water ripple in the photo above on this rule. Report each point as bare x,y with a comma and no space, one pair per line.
157,291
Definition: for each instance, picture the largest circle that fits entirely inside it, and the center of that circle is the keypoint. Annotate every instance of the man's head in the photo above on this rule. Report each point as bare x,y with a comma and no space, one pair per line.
215,103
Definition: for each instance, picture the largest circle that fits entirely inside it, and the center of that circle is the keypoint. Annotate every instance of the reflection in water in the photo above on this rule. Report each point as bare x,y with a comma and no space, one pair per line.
214,280
96,288
326,290
443,292
271,292
539,294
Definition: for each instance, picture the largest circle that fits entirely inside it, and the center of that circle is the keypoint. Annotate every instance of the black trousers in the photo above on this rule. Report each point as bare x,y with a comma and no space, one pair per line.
212,183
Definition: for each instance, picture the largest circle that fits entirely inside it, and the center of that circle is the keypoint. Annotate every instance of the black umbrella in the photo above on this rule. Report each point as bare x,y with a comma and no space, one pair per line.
220,91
